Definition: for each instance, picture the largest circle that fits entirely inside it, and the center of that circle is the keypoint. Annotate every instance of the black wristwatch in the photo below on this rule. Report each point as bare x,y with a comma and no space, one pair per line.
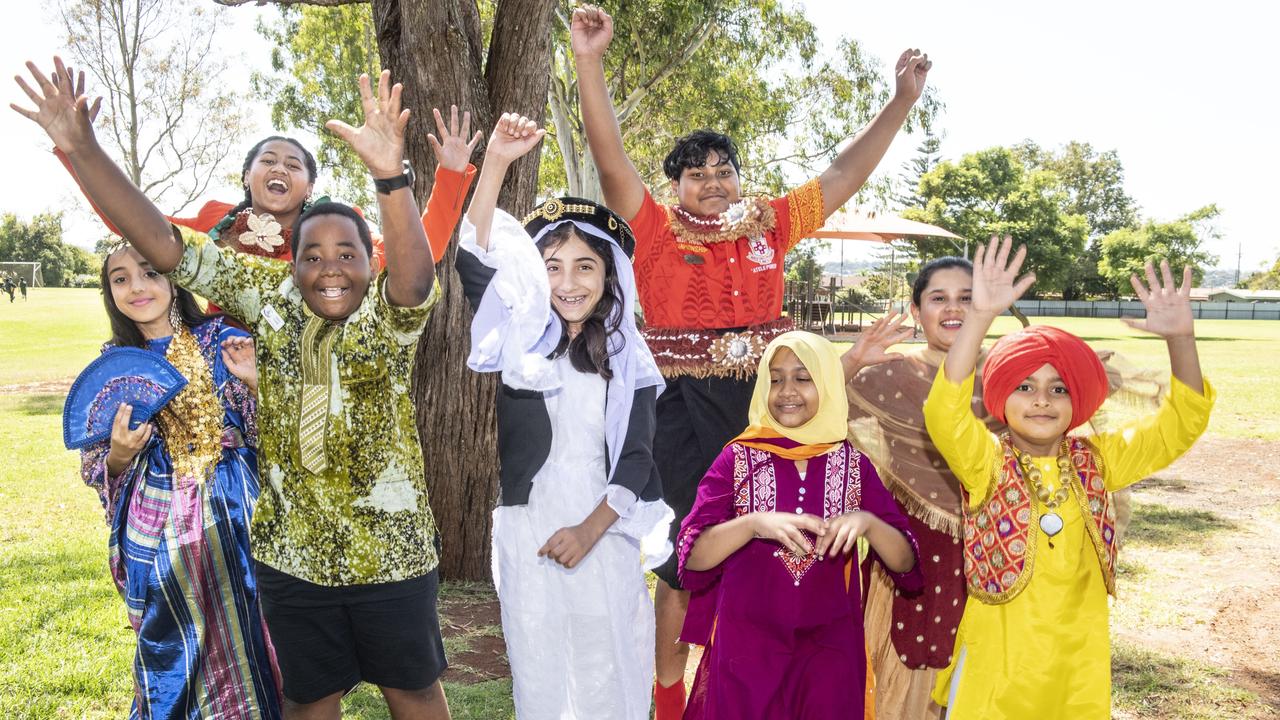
389,185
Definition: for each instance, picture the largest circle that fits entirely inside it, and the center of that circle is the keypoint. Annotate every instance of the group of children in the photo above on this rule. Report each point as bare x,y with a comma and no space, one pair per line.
271,532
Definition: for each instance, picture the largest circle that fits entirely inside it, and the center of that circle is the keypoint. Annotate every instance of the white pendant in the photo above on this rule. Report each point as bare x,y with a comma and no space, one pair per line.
1051,523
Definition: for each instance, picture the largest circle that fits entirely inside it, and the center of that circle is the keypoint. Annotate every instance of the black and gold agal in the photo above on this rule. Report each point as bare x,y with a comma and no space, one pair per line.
555,210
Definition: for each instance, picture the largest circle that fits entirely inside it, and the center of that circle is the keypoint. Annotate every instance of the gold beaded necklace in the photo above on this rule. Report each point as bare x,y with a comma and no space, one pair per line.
192,421
1050,521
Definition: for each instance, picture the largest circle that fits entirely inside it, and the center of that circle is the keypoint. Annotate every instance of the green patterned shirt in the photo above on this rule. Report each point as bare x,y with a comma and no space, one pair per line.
364,517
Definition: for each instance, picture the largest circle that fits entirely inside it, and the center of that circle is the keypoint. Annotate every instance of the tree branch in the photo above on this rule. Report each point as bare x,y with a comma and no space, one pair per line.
696,41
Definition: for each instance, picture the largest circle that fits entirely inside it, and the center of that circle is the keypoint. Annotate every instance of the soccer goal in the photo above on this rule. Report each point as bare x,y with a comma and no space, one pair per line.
28,270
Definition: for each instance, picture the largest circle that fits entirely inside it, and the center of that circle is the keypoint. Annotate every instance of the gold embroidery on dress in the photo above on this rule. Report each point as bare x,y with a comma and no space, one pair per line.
192,421
806,211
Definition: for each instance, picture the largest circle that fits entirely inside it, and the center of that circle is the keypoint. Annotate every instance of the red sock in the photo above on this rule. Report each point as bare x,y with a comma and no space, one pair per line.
668,701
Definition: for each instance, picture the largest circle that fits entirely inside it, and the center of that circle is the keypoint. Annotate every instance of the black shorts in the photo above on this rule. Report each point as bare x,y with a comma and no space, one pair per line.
328,639
695,419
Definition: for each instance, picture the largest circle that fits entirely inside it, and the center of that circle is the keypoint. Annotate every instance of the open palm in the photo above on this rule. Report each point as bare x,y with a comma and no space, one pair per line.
995,283
872,345
62,109
380,140
1168,306
452,148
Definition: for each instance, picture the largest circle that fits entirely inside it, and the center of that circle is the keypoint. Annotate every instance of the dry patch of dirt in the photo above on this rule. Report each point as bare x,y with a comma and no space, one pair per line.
471,623
1200,570
48,387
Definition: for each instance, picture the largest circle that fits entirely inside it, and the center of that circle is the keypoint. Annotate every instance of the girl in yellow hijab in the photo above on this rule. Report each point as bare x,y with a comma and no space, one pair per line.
771,602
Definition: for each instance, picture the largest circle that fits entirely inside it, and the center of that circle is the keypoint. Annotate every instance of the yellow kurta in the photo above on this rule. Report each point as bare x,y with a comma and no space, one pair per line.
1046,653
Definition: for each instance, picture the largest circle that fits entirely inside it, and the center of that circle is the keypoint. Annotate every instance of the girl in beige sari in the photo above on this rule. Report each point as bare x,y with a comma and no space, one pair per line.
910,638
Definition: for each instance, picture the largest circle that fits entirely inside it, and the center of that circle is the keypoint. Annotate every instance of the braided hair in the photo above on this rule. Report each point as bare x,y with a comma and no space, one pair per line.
307,158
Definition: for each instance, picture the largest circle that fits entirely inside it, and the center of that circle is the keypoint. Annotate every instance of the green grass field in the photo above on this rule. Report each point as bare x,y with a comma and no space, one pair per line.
65,645
51,336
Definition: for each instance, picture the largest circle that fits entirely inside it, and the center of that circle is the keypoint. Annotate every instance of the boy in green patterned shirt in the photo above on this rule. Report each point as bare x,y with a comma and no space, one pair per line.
343,535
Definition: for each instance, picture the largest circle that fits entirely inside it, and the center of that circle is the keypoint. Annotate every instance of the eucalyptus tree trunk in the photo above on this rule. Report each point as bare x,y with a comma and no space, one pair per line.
435,48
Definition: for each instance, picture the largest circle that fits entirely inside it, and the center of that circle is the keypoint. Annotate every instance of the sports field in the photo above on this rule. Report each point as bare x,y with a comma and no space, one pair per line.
1195,627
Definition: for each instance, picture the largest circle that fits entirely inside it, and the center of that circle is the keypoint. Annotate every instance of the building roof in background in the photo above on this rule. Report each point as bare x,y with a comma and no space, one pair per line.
1204,294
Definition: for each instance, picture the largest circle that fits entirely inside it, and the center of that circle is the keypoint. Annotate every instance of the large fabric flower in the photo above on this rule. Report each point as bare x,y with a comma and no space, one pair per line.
263,232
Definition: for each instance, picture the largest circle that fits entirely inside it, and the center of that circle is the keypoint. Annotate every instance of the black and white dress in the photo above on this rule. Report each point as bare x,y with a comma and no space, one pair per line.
579,641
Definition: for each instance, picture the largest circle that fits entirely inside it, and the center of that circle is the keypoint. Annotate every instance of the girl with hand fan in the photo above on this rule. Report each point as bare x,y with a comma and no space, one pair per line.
179,492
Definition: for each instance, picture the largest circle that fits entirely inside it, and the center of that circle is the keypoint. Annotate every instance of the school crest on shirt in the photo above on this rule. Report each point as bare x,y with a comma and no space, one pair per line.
759,251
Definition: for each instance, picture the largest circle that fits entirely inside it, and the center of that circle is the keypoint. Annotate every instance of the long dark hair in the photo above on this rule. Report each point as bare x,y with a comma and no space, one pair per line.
928,269
307,158
589,350
125,332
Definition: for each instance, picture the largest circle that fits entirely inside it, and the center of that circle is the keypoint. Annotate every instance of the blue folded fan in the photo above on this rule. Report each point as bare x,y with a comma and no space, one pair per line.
143,379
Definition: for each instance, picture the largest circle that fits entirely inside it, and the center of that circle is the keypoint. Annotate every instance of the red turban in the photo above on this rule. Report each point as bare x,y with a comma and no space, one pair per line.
1017,356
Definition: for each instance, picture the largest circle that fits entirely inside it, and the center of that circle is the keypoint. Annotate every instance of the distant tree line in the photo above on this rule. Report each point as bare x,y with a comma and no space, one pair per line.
40,240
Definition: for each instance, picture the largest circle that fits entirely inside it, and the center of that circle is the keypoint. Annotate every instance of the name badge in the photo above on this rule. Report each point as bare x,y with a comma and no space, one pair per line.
272,317
694,259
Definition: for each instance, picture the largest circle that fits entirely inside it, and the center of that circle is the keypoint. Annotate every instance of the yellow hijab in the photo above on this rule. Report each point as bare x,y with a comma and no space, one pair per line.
824,430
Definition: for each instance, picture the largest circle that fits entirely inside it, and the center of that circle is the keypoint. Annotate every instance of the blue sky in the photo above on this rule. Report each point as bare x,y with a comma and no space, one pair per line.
1182,91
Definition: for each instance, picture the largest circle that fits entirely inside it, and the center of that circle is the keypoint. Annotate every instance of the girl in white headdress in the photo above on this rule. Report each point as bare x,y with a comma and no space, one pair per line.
580,514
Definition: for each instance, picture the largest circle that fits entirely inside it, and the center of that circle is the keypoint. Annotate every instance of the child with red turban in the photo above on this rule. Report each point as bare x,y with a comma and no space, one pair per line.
1039,523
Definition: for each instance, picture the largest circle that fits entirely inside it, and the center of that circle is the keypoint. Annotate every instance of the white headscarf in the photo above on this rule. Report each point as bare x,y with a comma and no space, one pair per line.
515,329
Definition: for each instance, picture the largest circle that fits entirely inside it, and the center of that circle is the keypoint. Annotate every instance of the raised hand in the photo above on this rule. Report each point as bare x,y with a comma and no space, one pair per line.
910,73
871,347
380,140
788,529
843,532
238,356
512,137
65,115
79,77
1168,306
126,443
454,152
590,32
994,286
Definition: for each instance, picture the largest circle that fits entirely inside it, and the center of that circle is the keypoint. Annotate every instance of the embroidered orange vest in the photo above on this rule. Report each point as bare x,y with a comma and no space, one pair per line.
1000,535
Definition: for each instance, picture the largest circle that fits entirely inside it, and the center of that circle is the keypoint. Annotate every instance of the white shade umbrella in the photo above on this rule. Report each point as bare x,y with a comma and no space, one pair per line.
855,225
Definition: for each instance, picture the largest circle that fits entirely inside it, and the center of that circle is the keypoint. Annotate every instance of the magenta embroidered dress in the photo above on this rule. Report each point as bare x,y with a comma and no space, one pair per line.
179,549
782,634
